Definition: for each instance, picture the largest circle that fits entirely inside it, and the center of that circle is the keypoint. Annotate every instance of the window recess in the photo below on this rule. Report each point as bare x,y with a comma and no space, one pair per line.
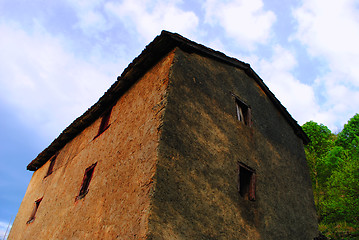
86,181
246,182
51,166
244,112
105,120
34,210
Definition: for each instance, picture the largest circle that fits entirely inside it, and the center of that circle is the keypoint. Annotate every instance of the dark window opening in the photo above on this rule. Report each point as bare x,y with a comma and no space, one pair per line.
244,113
86,181
51,166
104,122
246,182
33,213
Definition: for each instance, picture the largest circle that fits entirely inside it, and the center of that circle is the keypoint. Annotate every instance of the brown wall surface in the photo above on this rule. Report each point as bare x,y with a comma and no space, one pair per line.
117,204
202,141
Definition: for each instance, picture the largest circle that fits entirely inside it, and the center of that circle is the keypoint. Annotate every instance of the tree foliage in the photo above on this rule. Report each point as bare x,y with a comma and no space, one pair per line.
349,135
321,142
333,161
321,138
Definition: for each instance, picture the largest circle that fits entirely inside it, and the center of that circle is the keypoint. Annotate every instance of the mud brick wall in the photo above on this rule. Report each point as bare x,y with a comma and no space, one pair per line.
117,203
202,142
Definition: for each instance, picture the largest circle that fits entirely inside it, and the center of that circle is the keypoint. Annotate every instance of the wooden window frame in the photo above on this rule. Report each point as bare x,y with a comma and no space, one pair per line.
34,211
86,181
244,112
246,182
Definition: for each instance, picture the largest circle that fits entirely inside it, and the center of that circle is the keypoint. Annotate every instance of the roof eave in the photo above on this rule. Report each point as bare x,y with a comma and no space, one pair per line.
153,52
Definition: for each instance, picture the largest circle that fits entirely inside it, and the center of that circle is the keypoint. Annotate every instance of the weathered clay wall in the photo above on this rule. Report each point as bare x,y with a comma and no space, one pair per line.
202,141
118,201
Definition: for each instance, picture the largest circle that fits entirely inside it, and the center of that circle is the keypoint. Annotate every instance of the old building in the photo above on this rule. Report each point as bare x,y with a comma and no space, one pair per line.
187,144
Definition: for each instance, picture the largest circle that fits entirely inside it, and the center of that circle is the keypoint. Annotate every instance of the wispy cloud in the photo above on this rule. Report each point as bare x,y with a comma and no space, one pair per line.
90,17
148,18
38,74
297,97
331,34
4,229
245,21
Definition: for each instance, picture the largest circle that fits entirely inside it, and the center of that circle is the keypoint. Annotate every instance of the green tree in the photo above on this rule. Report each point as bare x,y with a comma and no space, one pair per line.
348,137
321,138
342,204
334,165
321,142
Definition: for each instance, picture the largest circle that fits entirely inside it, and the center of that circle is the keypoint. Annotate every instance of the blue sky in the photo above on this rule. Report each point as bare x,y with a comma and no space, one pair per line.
58,57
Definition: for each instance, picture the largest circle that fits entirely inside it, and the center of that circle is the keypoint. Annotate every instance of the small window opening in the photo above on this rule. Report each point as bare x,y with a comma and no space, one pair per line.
86,181
51,166
246,182
104,122
33,213
244,113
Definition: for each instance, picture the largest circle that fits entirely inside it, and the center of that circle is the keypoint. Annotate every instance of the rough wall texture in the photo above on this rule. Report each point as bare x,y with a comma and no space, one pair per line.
173,174
118,202
196,194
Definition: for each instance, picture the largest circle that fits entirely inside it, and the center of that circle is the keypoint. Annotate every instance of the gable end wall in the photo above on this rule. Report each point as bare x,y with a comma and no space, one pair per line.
201,144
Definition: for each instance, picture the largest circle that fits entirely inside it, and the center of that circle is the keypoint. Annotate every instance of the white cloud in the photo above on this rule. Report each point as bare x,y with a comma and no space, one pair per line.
330,31
148,18
245,21
45,83
340,100
328,28
90,18
277,73
4,229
